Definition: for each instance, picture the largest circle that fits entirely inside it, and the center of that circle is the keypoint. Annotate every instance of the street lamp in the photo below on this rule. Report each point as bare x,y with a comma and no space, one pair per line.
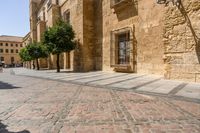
166,2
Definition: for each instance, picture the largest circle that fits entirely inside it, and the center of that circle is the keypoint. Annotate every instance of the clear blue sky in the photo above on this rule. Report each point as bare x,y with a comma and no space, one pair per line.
14,17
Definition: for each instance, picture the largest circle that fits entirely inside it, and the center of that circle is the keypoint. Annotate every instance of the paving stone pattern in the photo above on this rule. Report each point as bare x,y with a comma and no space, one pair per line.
136,82
35,105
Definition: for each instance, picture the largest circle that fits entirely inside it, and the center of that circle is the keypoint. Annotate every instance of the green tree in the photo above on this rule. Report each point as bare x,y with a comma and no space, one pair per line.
36,51
24,55
59,39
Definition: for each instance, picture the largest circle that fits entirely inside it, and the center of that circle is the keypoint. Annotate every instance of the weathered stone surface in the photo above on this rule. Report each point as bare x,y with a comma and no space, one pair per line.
181,33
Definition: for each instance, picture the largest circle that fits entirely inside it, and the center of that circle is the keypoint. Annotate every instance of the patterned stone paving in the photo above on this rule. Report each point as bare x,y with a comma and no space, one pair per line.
135,82
31,105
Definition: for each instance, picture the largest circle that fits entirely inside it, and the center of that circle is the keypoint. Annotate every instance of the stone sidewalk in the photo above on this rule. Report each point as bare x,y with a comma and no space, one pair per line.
146,84
35,105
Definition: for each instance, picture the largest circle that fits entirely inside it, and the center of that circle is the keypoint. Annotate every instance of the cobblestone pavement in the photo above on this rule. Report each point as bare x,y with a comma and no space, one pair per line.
32,105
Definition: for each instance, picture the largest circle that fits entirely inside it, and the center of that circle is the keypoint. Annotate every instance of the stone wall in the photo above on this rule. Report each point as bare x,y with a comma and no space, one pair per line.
144,18
164,39
112,21
7,55
149,27
181,41
41,27
82,20
88,52
98,37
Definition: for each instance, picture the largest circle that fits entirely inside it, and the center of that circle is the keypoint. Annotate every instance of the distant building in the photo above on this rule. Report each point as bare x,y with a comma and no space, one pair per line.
9,50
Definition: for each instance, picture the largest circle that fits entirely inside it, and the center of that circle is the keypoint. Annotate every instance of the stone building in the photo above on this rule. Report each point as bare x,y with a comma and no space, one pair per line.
137,36
26,40
9,50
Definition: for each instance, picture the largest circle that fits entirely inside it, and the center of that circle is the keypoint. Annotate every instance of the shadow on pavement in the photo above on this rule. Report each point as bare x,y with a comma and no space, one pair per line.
4,85
4,130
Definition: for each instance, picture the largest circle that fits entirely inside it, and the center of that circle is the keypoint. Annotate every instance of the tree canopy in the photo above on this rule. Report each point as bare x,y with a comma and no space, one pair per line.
24,55
33,51
59,38
36,50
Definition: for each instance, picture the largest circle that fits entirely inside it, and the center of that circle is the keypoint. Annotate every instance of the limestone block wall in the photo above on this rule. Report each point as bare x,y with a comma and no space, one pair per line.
98,34
149,28
145,19
88,46
41,27
181,41
53,15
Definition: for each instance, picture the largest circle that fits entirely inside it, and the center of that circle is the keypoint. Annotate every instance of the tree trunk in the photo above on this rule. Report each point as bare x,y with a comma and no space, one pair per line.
58,64
30,64
33,64
38,67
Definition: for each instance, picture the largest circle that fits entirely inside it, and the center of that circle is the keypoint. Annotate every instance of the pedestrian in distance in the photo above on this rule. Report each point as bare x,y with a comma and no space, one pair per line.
1,67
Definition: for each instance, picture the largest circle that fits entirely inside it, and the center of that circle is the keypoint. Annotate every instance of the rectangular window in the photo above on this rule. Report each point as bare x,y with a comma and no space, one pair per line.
1,50
6,44
16,45
2,58
11,44
11,50
1,44
7,51
124,48
17,51
66,16
20,45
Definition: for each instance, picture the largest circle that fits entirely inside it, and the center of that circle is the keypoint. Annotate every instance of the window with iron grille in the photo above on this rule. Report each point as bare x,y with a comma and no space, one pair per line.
123,48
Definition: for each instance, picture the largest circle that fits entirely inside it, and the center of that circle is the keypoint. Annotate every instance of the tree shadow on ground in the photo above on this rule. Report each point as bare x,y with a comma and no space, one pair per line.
4,130
4,85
